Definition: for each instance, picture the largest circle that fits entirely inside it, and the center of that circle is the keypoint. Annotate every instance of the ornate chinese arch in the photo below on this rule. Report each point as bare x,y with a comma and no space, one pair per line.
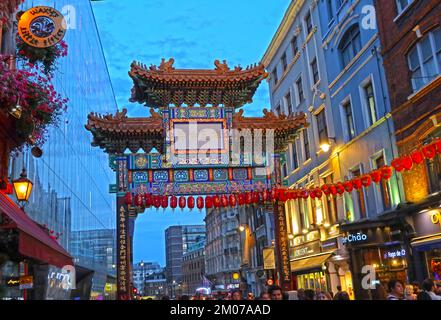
190,147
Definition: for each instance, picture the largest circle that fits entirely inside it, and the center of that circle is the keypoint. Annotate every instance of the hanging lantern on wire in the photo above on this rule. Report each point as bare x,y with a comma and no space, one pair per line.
190,202
216,201
148,200
397,164
248,198
340,188
156,201
255,197
376,176
164,202
407,162
348,186
241,199
208,202
224,201
318,193
173,202
333,189
386,172
311,193
356,182
325,189
366,180
182,202
417,157
265,196
232,200
128,198
273,194
429,151
200,203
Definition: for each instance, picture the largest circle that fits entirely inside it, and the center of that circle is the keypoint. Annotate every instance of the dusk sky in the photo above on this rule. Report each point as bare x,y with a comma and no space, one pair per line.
194,33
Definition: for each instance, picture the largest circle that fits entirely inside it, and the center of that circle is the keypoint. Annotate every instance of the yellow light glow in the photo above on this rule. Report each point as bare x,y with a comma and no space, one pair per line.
327,224
305,231
291,236
22,187
241,228
325,146
394,262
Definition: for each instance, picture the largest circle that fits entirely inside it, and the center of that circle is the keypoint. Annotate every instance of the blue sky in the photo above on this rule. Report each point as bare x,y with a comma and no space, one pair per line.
194,33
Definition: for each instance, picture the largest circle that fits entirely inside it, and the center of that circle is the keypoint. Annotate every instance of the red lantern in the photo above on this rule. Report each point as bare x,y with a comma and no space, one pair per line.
273,194
304,194
265,196
128,198
173,202
356,182
282,195
366,180
407,162
376,176
295,194
224,201
138,200
340,188
326,190
241,199
156,201
429,151
164,202
208,202
333,189
417,157
200,203
182,202
190,202
312,193
148,200
386,172
232,201
397,164
318,193
248,198
348,186
255,197
216,201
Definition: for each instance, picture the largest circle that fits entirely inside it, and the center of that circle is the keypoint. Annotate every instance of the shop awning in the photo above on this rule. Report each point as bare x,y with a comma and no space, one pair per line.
314,262
34,241
427,243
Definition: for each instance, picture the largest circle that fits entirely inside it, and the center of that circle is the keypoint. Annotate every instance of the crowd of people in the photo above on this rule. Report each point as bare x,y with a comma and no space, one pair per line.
393,290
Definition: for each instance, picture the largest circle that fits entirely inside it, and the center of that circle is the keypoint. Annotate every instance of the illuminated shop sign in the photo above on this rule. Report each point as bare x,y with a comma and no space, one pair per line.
355,238
395,254
305,250
436,217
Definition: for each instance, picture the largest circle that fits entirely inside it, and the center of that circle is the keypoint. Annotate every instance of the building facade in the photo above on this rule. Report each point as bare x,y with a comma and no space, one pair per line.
141,270
222,248
193,268
299,82
178,239
410,34
155,284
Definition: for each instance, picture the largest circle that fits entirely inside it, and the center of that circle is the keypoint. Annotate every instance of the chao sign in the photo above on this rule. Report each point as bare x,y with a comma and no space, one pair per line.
42,27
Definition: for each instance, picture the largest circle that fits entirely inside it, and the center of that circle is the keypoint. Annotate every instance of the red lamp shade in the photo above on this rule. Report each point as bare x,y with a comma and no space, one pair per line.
248,198
417,157
356,182
348,186
366,180
200,203
255,197
333,189
241,199
138,200
128,198
216,201
208,202
233,201
164,202
407,162
224,201
156,201
173,202
190,202
386,172
182,202
273,194
318,193
148,200
397,164
265,196
429,151
312,193
326,190
304,194
340,188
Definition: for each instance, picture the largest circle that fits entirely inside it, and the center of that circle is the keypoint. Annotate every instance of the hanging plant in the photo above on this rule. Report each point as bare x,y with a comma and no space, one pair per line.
32,93
45,57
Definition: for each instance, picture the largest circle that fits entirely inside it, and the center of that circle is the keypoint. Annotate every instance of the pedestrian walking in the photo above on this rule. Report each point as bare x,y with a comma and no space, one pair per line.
236,295
276,293
428,287
396,290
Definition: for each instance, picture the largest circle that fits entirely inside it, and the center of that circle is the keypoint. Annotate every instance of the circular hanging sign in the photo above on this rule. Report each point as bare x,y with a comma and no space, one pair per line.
41,27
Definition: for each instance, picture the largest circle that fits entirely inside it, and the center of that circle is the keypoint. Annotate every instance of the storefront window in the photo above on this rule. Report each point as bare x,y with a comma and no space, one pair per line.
433,258
313,281
434,166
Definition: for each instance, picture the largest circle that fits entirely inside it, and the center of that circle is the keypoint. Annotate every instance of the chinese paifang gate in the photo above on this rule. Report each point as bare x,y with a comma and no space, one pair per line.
163,164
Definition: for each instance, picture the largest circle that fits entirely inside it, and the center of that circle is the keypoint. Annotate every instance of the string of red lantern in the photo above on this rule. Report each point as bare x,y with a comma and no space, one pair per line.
404,163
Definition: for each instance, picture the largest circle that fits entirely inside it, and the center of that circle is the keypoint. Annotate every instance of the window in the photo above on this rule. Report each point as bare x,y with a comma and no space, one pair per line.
313,212
274,76
349,121
284,63
350,46
314,70
370,103
288,103
299,85
306,144
403,4
322,127
294,46
278,110
330,202
284,170
308,22
295,157
384,185
425,60
360,196
330,10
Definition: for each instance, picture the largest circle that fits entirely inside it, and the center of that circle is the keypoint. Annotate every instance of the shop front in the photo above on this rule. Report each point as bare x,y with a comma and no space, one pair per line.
378,253
426,244
319,261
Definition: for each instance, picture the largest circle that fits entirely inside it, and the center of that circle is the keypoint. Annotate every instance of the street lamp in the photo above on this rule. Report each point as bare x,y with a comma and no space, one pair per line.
326,146
23,187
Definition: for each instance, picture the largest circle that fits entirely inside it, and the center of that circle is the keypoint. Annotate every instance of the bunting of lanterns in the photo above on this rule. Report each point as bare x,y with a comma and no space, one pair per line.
404,163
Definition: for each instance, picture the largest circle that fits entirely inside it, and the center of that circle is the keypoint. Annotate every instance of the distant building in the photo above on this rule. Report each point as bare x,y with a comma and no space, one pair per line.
155,283
177,241
193,268
141,271
222,248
